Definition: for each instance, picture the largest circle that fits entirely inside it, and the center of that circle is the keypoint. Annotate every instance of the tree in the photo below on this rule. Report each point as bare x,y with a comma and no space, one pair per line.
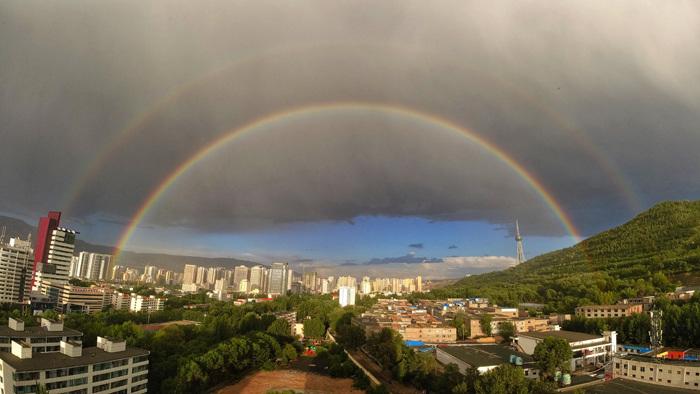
280,328
504,379
289,353
485,323
464,329
506,330
553,354
314,328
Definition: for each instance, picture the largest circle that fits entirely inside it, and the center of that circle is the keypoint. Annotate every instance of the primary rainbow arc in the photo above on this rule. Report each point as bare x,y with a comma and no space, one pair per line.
322,108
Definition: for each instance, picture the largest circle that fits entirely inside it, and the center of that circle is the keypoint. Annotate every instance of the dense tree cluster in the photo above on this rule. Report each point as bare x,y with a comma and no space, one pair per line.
635,259
681,324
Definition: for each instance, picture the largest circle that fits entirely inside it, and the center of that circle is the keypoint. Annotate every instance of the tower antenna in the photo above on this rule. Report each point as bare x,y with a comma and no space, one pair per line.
520,254
656,333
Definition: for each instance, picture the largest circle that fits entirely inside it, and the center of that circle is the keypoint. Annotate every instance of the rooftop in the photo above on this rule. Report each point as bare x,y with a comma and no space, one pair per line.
37,332
661,360
484,355
570,336
624,386
91,355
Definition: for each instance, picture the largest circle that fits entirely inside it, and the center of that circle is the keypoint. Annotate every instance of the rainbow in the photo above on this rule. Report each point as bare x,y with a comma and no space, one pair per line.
137,124
322,108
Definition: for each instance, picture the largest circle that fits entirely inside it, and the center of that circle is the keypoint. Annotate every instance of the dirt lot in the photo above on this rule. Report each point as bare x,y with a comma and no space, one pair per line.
308,382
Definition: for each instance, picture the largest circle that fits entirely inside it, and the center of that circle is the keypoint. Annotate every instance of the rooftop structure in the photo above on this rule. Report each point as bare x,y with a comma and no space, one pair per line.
485,358
53,357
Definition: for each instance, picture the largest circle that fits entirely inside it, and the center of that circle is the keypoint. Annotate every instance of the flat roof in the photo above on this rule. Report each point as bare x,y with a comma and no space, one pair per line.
571,336
660,360
627,386
38,331
484,355
91,355
619,306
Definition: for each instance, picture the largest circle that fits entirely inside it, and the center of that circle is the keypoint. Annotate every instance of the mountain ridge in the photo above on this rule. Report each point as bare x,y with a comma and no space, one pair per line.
635,258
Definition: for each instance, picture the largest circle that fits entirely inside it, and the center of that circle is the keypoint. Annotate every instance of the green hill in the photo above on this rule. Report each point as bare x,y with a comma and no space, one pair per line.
636,258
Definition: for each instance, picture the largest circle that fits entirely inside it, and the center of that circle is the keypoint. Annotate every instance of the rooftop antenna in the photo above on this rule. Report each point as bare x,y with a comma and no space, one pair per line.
520,254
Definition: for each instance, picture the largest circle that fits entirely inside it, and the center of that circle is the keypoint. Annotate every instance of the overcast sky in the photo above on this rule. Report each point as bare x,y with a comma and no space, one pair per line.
100,101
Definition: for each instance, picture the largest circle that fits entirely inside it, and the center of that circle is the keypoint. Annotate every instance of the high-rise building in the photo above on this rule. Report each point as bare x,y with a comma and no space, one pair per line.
201,276
150,273
419,284
346,295
325,288
15,268
81,264
366,285
47,225
190,275
256,278
169,277
310,281
99,266
59,254
221,285
243,286
278,281
239,273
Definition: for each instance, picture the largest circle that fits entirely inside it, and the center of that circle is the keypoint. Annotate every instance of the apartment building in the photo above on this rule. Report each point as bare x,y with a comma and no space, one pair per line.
15,270
41,339
603,311
108,368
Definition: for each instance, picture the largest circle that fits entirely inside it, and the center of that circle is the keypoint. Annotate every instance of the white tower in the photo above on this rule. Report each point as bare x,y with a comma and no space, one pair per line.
519,244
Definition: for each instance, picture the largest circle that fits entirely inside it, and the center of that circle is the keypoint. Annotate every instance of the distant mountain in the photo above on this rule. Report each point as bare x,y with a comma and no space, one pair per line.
17,227
632,259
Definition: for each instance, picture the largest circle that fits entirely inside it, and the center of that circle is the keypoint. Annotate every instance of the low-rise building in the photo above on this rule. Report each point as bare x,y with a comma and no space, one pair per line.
146,303
411,321
485,358
587,349
603,311
429,333
71,298
676,373
110,367
520,324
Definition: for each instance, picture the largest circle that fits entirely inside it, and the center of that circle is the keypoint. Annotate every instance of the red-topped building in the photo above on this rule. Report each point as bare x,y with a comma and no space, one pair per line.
47,225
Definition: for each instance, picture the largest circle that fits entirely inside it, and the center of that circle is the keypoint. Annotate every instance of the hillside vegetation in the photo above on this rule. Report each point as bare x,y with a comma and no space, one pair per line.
634,259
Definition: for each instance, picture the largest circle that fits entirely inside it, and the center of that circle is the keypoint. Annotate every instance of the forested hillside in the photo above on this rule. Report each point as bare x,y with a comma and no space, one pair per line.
636,258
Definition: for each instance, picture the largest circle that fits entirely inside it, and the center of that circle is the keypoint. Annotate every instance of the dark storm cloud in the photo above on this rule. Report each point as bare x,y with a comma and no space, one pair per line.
416,246
556,85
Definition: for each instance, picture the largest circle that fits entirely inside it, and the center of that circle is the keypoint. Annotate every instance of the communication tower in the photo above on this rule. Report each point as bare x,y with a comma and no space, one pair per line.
519,244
